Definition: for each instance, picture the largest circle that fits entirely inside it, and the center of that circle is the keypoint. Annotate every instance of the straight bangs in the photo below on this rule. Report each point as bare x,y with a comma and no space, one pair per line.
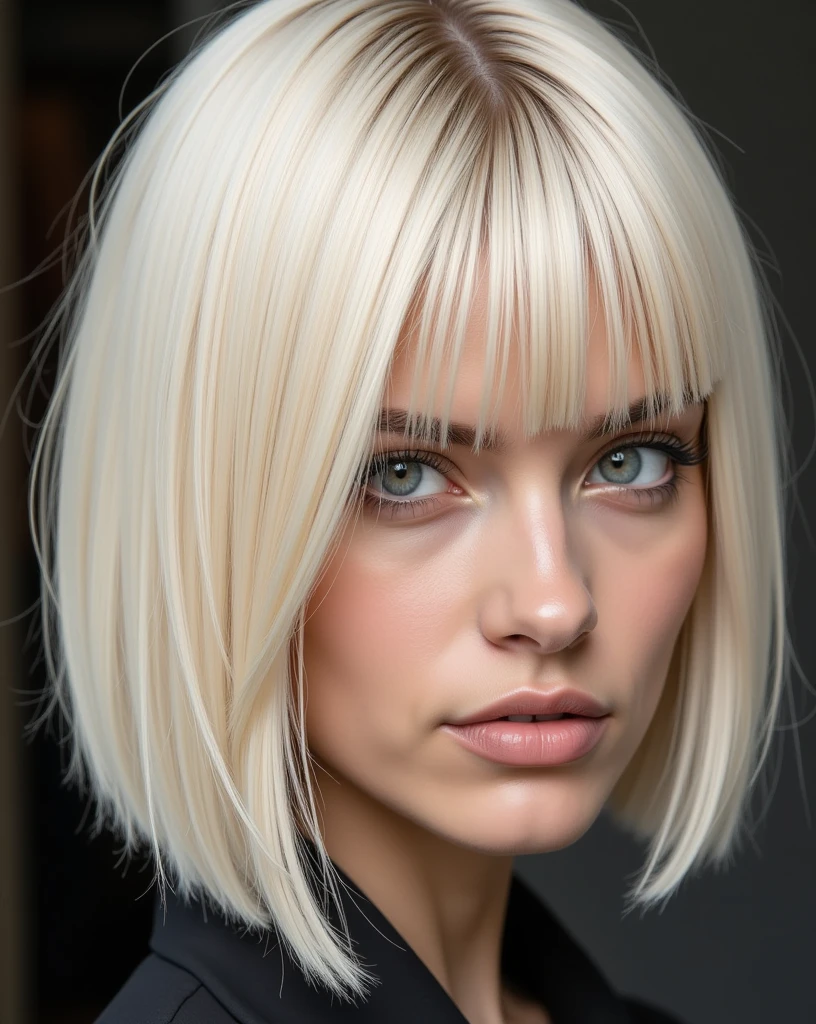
555,209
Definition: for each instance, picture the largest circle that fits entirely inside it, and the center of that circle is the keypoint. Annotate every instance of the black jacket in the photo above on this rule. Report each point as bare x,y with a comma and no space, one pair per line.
202,971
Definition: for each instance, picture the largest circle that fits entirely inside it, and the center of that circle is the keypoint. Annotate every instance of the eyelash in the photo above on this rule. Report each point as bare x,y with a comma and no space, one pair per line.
688,454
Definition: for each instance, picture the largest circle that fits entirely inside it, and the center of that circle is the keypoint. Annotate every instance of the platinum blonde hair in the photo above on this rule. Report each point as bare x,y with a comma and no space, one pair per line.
297,185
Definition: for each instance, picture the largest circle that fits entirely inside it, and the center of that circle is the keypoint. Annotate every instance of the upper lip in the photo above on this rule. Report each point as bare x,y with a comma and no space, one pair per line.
532,702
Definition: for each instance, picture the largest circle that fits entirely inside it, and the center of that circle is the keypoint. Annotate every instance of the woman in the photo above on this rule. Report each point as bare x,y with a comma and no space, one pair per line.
416,395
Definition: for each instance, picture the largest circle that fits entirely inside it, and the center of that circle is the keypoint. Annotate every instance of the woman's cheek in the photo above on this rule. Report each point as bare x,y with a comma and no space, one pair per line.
646,607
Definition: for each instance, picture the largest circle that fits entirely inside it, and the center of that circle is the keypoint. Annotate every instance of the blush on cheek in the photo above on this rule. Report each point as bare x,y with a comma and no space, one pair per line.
661,608
646,590
382,608
659,600
350,652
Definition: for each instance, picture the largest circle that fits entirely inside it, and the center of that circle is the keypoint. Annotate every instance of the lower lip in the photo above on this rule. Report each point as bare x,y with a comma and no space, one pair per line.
540,744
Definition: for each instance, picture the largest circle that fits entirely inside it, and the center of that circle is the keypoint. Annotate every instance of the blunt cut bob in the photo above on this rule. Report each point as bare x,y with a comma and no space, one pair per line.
315,175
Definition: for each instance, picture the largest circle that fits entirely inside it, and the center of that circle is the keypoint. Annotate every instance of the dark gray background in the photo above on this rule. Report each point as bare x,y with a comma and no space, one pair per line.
730,947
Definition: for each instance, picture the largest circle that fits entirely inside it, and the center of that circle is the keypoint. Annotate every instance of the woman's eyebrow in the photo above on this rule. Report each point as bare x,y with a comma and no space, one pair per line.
395,421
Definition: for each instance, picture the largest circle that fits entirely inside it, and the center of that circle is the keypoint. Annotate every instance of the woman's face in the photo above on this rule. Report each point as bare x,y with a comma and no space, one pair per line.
556,563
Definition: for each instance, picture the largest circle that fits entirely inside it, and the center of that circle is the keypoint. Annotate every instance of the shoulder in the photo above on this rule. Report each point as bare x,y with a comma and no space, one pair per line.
644,1013
158,992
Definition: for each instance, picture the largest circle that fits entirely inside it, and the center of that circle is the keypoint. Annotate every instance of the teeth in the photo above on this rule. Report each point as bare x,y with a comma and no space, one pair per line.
532,718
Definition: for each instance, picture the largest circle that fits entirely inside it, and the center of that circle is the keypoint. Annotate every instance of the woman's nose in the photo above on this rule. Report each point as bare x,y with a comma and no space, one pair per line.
537,592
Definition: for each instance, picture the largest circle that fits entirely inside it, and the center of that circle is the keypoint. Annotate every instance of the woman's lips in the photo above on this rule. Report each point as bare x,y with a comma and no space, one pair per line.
532,744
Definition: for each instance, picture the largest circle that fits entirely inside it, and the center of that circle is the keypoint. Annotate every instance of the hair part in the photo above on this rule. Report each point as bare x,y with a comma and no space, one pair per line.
317,175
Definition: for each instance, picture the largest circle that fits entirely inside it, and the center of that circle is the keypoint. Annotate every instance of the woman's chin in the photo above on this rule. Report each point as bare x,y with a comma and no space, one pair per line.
509,835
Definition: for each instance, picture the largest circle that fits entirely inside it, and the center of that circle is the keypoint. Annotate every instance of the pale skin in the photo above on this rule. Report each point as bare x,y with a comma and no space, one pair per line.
530,570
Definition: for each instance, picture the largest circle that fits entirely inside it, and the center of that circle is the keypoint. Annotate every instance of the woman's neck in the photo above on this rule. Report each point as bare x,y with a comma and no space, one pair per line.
448,903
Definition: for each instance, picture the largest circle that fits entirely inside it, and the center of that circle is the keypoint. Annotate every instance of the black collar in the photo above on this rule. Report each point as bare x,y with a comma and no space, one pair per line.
255,980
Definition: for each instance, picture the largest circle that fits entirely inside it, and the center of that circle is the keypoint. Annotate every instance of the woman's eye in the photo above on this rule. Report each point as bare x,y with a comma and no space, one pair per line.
405,478
635,467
